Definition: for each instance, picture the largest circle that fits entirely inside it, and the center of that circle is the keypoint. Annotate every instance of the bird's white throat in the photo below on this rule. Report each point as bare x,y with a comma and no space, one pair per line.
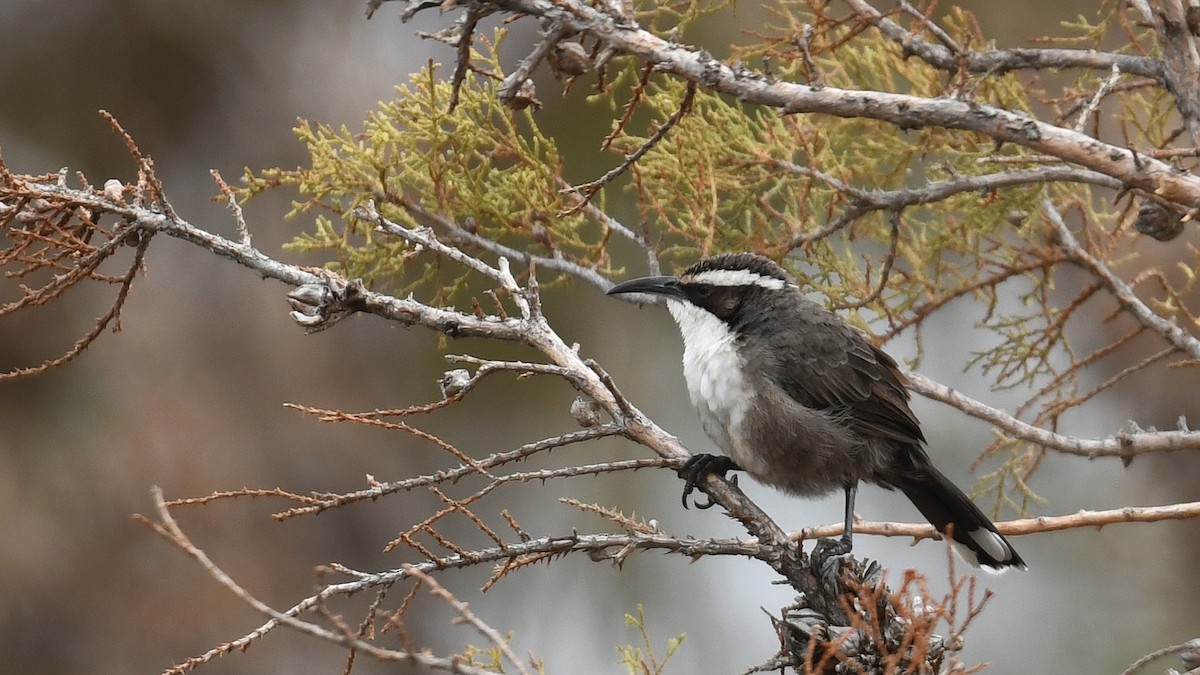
714,372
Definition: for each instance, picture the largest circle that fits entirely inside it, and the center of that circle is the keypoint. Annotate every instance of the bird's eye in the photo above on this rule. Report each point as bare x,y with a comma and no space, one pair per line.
703,291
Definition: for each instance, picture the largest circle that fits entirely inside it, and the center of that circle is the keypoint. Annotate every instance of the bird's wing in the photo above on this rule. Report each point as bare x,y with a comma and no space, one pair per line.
833,367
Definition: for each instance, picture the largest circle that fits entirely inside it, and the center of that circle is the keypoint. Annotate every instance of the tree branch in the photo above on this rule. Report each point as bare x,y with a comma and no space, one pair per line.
1125,445
468,616
905,111
994,61
1181,62
1172,333
168,529
1022,526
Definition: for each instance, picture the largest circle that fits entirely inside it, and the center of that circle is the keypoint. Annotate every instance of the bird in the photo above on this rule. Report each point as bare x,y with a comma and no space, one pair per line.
802,401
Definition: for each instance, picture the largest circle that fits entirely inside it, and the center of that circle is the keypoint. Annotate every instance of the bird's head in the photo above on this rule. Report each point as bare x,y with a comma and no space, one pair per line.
725,286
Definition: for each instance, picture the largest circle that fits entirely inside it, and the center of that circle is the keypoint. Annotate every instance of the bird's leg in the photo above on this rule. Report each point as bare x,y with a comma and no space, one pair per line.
697,468
851,491
830,548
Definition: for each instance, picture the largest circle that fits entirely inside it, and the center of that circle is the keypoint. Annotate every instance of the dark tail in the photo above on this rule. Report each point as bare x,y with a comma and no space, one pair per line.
943,504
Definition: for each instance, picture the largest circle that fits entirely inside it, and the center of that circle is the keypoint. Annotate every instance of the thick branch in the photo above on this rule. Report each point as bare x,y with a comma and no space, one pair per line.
1181,61
904,111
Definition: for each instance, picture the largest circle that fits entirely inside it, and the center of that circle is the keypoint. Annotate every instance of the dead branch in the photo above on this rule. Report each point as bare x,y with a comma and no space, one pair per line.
1130,302
166,527
470,617
949,58
1189,652
1124,444
1039,525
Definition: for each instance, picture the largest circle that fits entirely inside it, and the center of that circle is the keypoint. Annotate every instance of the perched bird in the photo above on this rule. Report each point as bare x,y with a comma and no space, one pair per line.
801,401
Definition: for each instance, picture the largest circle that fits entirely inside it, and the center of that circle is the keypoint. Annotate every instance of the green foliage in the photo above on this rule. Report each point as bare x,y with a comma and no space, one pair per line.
485,168
490,658
678,15
642,660
1110,20
487,658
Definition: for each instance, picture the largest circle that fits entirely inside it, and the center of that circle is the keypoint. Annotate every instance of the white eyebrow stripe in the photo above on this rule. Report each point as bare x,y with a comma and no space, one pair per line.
737,278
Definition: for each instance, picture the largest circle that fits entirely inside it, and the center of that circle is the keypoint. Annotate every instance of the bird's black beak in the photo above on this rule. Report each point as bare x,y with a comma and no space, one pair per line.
667,287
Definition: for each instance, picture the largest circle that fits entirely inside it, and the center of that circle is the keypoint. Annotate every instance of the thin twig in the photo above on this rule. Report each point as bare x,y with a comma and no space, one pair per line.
380,489
1122,445
888,261
517,78
1191,645
424,238
1094,104
465,613
586,191
460,234
168,529
462,64
239,219
1023,526
1003,60
112,314
1172,333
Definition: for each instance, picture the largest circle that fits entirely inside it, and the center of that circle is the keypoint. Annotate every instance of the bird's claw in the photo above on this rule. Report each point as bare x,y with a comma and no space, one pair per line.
822,561
697,468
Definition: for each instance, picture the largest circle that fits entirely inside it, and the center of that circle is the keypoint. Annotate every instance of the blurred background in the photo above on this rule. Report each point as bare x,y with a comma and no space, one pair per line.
189,396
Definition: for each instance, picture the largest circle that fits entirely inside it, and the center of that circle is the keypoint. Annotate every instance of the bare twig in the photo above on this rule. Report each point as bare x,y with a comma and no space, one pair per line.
380,489
112,314
1192,645
462,64
1039,525
1094,104
460,234
586,191
1004,60
470,617
239,219
940,190
424,238
1169,331
520,75
1123,444
168,529
885,271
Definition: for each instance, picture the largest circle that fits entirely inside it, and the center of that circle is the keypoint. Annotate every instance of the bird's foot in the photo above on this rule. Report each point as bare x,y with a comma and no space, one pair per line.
697,468
825,561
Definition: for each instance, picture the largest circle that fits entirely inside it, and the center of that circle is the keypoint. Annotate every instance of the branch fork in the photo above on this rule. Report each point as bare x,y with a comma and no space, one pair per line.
317,306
